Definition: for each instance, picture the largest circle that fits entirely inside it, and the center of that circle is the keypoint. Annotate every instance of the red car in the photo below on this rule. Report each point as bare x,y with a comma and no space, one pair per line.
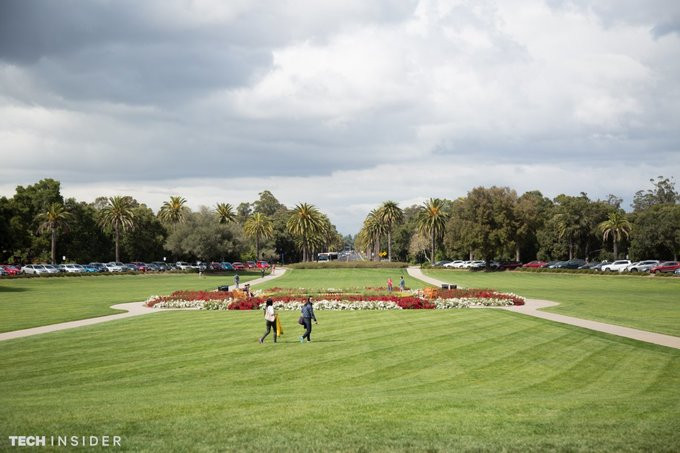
262,265
536,264
666,266
238,266
251,265
11,270
141,267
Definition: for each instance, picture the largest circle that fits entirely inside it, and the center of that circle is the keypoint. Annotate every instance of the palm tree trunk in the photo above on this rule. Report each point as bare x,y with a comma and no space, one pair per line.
257,246
616,249
54,245
432,257
517,252
389,245
117,240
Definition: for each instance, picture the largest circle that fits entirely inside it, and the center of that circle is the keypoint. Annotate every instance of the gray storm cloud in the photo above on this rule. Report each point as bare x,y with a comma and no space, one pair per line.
150,94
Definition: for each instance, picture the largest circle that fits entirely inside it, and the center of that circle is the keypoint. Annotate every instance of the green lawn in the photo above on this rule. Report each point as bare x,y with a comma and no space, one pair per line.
646,303
342,278
394,380
35,302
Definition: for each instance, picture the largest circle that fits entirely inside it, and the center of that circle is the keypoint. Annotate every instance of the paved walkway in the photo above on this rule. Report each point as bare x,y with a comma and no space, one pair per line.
131,308
532,307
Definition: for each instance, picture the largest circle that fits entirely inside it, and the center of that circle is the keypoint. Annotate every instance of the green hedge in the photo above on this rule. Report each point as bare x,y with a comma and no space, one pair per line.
349,265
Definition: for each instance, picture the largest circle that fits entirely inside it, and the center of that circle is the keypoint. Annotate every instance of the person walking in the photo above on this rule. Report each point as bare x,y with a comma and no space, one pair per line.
269,319
402,283
237,279
389,284
307,316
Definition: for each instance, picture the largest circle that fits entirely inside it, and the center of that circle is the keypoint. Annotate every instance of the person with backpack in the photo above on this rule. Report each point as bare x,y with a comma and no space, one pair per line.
269,319
307,316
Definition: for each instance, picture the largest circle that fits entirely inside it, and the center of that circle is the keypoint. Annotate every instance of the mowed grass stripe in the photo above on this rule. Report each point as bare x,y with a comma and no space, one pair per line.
470,379
32,302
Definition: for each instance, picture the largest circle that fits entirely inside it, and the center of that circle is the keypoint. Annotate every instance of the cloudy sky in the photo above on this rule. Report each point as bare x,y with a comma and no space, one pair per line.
343,104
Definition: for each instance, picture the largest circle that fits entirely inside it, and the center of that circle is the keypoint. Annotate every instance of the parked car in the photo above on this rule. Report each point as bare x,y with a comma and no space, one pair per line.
238,266
666,266
454,264
162,266
227,266
441,263
616,266
535,264
114,267
11,270
99,266
152,267
570,264
52,269
251,265
89,269
642,266
72,268
262,264
183,265
215,266
677,272
477,265
139,266
32,269
509,265
3,272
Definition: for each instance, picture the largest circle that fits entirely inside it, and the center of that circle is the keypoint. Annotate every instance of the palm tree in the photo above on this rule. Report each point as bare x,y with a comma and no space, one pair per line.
173,211
390,213
225,212
432,220
373,229
258,226
618,226
305,222
118,215
56,217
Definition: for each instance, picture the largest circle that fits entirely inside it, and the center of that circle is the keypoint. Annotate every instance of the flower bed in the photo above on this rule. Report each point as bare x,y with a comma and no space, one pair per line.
336,300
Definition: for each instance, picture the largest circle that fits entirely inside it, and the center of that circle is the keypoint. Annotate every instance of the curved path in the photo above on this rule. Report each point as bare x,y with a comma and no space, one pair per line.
131,308
532,307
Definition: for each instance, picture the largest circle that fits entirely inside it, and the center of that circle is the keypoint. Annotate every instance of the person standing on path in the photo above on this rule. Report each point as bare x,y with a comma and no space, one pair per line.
389,284
236,280
402,283
269,319
307,316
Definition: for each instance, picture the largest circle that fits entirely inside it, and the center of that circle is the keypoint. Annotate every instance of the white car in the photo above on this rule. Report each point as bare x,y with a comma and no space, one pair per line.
34,269
51,269
456,264
183,265
72,268
616,266
114,267
642,266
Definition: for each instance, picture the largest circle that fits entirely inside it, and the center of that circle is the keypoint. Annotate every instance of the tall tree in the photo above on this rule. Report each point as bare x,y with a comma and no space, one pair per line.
663,192
305,222
390,214
267,204
617,225
173,211
118,215
258,226
432,221
225,213
56,217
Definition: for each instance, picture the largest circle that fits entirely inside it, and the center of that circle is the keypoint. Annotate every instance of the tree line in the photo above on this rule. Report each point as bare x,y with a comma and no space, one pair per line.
497,223
38,225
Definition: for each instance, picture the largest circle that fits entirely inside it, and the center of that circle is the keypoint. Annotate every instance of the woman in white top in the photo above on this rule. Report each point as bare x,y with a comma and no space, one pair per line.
270,320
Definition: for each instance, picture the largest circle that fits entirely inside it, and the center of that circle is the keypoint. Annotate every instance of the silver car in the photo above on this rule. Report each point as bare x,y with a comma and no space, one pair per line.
642,266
